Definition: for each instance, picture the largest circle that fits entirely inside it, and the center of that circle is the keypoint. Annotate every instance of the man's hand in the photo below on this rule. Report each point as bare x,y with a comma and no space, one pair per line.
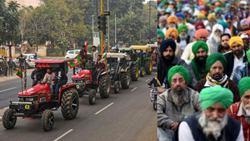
161,90
174,125
149,86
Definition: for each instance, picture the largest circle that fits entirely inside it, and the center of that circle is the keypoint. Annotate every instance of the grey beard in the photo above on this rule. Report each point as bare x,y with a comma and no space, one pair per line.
212,127
178,96
216,39
246,108
183,37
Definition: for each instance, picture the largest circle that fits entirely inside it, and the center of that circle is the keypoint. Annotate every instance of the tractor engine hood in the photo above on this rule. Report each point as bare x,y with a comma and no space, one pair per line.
82,74
38,89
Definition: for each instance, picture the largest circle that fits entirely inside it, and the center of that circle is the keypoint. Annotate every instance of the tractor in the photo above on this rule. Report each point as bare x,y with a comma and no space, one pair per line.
119,70
39,102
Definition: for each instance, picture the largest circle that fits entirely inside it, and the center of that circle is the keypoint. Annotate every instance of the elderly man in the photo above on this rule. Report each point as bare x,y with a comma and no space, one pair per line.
224,46
244,24
245,38
215,65
213,123
241,110
236,60
183,38
172,21
198,63
214,38
168,60
175,103
200,35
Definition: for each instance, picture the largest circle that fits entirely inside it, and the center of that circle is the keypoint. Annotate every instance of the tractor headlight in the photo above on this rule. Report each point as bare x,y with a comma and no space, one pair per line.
29,99
20,99
78,86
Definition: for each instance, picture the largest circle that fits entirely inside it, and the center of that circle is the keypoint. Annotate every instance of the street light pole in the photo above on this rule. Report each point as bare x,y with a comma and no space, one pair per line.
108,22
101,30
115,31
149,18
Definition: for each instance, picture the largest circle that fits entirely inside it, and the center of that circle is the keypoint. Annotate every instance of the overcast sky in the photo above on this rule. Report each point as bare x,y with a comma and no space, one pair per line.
148,0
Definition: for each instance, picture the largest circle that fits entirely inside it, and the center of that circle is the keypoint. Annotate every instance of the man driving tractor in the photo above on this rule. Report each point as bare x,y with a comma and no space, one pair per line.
60,80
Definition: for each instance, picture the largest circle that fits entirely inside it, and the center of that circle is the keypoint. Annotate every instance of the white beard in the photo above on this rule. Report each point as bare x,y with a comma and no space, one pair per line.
212,127
171,25
216,39
247,110
183,37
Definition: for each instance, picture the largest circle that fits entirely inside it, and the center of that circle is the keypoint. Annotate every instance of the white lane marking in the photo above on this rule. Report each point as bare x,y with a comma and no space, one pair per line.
147,80
63,135
134,89
104,108
7,89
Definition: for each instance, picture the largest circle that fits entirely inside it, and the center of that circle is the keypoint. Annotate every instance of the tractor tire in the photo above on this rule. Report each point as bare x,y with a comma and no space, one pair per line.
148,67
142,72
116,87
70,103
92,96
134,73
104,86
47,121
9,121
125,80
155,103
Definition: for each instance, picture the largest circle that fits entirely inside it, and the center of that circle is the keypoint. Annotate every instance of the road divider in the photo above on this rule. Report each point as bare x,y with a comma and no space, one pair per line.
104,108
8,89
134,89
63,135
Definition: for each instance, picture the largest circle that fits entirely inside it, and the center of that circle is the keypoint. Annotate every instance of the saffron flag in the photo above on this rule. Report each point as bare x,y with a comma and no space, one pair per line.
86,44
19,71
74,63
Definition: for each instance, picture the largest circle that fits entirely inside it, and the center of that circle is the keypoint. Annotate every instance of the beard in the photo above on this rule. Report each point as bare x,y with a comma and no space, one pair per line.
183,37
225,47
211,127
171,25
217,76
247,109
216,39
168,57
201,59
178,95
237,52
49,72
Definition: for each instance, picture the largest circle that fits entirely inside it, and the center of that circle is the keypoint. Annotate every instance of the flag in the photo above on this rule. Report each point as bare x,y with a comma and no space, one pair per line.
19,71
75,62
86,44
104,56
103,47
109,48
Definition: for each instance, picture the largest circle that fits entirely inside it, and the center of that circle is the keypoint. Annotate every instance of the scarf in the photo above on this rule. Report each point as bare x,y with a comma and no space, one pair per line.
223,82
198,69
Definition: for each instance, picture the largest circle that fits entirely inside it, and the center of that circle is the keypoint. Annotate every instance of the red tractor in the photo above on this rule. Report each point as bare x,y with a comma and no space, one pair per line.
85,85
37,102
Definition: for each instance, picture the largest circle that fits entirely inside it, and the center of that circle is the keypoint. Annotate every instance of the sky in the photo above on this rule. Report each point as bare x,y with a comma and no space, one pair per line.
145,1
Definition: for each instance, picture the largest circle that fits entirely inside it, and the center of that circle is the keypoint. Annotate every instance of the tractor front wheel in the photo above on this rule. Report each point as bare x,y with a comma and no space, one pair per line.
134,73
9,120
116,87
92,96
142,72
125,80
148,67
104,86
47,121
70,103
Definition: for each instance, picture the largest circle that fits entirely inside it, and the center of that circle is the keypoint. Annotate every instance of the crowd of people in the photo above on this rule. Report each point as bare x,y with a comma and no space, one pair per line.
203,67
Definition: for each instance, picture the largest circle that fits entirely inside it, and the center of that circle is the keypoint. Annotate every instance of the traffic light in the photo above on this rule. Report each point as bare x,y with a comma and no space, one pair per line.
99,22
102,22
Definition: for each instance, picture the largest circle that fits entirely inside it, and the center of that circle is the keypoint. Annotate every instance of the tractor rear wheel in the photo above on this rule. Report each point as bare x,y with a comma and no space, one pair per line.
134,73
142,72
116,87
92,96
125,80
104,86
148,67
70,103
9,120
47,121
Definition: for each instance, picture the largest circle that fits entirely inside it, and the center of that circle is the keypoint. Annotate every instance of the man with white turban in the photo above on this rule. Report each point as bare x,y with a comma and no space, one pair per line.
214,38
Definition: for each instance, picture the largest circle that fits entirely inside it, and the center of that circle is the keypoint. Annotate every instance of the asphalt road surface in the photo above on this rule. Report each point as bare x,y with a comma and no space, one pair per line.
126,116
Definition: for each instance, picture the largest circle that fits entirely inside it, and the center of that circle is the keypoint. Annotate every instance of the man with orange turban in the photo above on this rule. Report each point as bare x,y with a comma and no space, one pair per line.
200,35
172,21
172,34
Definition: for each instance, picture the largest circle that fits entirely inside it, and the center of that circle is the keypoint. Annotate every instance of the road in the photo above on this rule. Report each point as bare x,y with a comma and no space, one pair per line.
126,116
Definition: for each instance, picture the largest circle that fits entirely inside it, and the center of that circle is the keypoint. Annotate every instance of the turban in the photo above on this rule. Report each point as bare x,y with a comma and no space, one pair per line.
212,58
199,25
244,85
172,31
200,16
218,26
181,27
181,70
224,24
160,33
244,22
212,95
201,32
244,35
235,39
229,16
211,16
180,15
172,18
167,43
199,44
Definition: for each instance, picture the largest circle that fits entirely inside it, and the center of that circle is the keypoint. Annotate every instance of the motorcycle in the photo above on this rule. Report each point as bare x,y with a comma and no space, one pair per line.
153,97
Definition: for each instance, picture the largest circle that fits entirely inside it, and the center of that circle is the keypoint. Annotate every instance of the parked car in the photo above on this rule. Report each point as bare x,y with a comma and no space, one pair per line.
72,53
28,58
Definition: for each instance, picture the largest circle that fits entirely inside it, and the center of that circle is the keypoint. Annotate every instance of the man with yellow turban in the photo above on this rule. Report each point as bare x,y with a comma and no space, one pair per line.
241,110
211,21
172,21
175,103
215,65
236,60
198,64
213,123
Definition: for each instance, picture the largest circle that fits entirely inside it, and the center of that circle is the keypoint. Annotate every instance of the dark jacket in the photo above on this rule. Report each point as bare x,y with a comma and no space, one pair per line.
231,86
90,65
153,81
11,64
230,63
61,75
39,75
83,54
163,68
